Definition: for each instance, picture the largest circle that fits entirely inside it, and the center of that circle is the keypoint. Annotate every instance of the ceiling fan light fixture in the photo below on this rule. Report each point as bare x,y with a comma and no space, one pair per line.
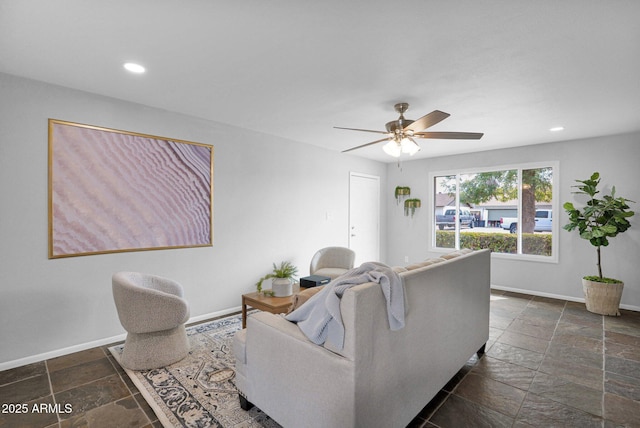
392,148
409,146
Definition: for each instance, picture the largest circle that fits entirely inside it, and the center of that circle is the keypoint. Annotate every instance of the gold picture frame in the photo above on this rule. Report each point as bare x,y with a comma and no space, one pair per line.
113,191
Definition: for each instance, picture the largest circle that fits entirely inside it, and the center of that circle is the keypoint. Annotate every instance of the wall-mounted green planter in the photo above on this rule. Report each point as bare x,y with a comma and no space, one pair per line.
410,206
401,193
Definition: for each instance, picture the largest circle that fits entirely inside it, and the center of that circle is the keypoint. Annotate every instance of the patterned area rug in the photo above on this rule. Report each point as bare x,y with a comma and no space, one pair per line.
199,391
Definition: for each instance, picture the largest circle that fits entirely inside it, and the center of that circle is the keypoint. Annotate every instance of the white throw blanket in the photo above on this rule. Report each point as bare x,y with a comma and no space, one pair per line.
319,318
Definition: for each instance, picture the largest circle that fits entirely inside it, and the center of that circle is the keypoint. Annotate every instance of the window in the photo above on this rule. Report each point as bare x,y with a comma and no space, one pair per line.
485,208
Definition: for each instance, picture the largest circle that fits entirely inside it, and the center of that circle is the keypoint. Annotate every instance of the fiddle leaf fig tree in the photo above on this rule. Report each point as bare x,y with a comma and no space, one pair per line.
599,219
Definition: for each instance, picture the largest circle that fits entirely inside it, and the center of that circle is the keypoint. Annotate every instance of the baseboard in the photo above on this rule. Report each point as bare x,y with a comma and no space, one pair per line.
93,344
555,296
60,352
214,314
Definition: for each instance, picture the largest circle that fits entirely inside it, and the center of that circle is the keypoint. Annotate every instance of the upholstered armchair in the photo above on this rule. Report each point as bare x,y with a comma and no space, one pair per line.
332,261
152,311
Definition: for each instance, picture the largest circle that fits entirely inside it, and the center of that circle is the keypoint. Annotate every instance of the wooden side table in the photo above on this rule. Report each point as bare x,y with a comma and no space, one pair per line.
275,305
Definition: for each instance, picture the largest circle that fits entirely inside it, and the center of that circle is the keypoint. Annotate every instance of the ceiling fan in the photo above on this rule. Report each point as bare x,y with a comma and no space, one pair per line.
401,133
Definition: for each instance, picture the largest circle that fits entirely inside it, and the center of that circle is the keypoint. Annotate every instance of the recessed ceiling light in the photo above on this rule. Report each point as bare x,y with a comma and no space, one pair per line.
556,128
134,68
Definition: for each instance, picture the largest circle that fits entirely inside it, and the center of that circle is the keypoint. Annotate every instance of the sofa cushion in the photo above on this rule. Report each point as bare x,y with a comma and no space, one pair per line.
455,254
450,256
413,266
427,262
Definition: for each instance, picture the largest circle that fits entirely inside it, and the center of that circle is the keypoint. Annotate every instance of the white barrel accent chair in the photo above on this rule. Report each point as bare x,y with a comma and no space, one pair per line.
332,261
153,312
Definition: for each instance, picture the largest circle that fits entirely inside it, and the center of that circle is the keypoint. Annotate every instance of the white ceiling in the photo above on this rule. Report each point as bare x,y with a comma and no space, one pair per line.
511,68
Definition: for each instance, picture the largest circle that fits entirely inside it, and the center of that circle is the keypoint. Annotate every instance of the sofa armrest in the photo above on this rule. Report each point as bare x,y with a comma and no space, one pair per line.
290,376
277,322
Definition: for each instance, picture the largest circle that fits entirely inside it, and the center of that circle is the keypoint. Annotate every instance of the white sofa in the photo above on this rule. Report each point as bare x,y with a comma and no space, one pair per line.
381,378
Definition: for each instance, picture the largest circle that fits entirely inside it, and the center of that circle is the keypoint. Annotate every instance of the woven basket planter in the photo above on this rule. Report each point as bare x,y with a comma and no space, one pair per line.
602,298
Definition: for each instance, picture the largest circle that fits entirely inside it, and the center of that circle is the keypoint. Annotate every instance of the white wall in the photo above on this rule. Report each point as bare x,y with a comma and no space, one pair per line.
615,157
270,202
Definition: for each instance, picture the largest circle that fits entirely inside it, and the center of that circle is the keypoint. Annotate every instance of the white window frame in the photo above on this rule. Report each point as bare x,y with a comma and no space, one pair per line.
555,207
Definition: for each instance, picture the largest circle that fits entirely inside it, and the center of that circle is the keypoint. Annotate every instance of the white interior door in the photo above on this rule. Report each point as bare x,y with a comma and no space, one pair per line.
364,217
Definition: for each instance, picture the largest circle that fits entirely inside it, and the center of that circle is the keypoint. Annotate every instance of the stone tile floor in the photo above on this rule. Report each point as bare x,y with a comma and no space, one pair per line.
548,363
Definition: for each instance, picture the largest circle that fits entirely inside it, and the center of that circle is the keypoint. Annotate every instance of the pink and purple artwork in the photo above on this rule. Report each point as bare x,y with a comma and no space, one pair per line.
113,191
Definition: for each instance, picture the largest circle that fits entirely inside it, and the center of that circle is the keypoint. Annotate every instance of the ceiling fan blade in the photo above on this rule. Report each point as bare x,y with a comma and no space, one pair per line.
427,121
363,130
450,135
365,145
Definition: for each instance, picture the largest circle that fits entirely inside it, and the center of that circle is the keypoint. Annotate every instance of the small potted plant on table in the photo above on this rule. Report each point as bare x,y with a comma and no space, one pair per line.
283,277
598,221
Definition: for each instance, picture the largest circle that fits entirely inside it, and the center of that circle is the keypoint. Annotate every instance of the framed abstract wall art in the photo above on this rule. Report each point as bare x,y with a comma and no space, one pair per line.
113,191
